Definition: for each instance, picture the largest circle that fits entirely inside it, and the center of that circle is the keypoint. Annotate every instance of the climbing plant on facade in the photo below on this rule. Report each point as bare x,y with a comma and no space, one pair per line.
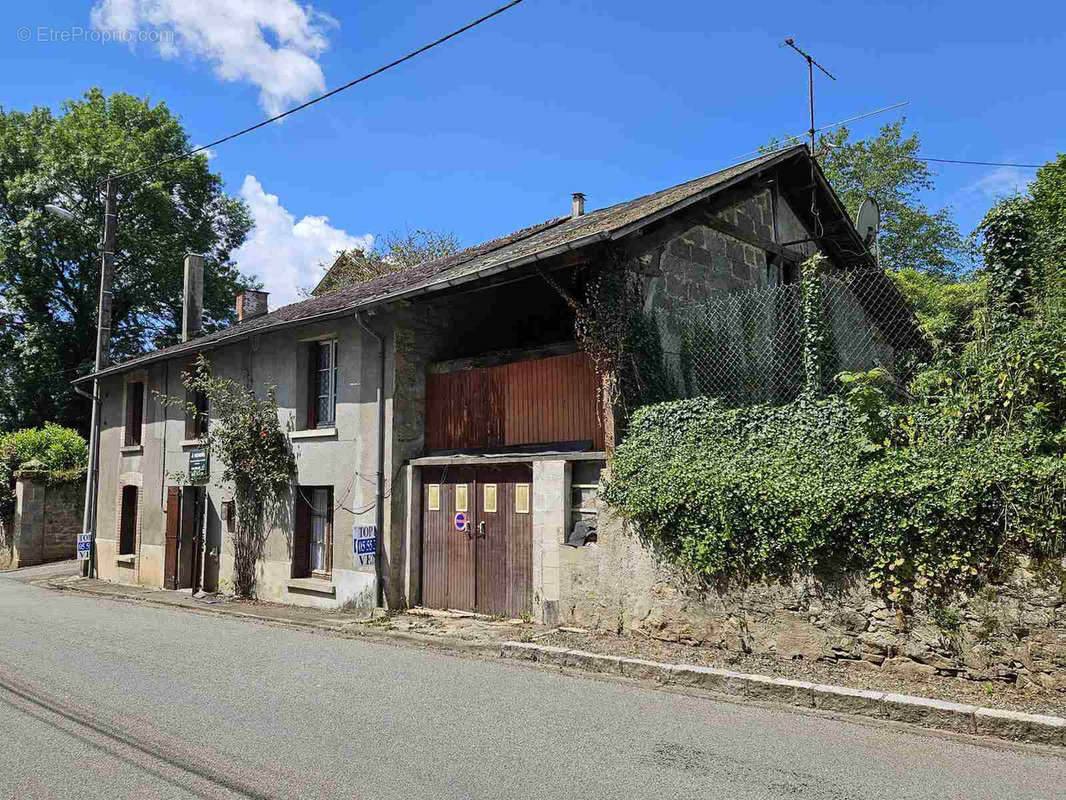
245,435
612,328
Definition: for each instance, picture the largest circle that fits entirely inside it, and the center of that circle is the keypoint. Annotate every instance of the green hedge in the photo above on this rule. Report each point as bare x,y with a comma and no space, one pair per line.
764,492
51,449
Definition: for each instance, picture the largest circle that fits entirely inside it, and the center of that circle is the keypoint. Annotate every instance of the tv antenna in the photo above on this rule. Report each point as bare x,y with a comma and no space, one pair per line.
811,64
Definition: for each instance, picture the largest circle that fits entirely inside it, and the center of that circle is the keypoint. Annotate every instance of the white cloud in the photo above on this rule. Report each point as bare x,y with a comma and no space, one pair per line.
1001,182
233,36
286,254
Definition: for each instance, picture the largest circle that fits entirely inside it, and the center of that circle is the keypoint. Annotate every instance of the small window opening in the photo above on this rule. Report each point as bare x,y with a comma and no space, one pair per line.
127,532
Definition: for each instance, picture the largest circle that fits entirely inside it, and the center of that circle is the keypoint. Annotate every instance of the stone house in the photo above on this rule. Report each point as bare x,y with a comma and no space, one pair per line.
448,432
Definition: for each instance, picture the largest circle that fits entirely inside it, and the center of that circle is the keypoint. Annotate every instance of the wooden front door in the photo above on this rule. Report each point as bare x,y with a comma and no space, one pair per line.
489,566
173,530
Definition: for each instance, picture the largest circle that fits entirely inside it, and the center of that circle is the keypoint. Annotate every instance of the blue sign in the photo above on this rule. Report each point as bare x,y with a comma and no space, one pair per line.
460,521
365,543
85,546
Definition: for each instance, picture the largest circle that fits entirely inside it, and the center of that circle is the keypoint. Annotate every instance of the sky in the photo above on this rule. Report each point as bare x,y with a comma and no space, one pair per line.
494,130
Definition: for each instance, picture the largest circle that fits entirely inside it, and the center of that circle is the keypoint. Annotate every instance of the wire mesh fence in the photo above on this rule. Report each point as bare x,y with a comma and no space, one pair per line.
747,346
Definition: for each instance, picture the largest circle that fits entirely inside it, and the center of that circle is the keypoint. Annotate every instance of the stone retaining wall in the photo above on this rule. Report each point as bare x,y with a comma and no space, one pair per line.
46,521
1013,631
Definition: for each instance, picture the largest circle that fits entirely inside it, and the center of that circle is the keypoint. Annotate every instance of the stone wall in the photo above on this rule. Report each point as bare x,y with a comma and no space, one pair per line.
46,521
1014,631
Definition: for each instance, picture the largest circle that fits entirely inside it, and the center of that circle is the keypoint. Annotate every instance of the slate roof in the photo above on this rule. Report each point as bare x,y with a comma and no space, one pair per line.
497,255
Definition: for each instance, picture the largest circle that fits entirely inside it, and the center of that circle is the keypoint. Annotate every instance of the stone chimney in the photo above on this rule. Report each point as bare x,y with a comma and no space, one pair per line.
250,304
578,207
192,298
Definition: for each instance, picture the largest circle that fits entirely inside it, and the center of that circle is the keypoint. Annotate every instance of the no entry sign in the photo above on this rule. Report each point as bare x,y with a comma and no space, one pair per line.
460,521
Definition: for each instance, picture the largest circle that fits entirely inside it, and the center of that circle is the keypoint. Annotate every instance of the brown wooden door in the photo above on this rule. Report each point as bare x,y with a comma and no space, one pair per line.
489,567
448,554
504,541
173,529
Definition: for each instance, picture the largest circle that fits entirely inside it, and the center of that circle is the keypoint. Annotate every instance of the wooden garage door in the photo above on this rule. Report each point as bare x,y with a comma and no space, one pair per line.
489,567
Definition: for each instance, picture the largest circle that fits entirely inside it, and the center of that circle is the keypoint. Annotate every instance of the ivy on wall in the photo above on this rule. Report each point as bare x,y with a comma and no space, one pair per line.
933,496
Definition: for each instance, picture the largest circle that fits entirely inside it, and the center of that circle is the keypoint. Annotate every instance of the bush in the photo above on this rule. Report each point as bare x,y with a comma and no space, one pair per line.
764,492
52,448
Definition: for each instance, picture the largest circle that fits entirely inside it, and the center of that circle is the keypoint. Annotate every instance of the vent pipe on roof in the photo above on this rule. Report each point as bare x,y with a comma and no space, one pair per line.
251,303
192,297
578,207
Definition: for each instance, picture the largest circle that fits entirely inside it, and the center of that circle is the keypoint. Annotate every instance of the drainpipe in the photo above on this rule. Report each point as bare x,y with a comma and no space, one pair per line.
379,502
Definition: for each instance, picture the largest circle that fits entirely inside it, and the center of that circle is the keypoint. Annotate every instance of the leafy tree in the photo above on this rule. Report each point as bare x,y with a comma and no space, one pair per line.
1047,210
946,307
885,167
49,267
400,251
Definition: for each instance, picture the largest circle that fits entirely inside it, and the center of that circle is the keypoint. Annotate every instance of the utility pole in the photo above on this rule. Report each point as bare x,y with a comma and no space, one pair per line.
103,340
811,64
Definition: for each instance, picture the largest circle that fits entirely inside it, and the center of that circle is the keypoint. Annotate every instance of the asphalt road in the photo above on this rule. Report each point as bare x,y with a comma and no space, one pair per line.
100,699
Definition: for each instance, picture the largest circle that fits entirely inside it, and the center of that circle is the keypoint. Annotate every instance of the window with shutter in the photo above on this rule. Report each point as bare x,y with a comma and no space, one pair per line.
134,412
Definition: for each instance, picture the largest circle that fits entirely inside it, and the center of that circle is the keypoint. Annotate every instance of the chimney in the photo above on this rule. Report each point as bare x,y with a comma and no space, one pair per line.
579,205
192,298
251,303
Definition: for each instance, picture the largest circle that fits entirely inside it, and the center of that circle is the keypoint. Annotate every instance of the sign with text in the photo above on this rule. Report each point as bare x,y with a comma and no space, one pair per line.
85,546
365,543
198,469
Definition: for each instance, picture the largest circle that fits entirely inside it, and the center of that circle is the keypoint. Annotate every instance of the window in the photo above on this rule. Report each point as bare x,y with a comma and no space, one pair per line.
521,498
127,526
461,495
434,496
489,503
196,415
134,412
313,537
322,385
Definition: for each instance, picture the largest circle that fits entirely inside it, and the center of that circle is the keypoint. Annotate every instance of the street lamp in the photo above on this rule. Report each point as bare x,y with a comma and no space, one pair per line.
103,337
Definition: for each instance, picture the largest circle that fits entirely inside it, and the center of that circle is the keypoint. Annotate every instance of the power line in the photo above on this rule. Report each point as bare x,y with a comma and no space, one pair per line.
328,94
978,163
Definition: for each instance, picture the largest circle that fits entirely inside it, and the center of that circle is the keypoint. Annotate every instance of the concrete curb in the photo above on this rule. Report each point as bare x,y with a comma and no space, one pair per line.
923,711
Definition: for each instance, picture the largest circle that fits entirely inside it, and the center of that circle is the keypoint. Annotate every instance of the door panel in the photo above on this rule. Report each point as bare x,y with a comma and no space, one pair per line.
448,566
504,543
170,550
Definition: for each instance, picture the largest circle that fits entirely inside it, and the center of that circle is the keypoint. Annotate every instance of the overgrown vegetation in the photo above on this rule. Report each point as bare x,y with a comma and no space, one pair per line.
932,496
246,435
60,451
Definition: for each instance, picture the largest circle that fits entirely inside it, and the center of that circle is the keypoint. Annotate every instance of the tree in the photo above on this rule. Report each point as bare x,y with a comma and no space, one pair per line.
885,167
1047,208
400,251
49,267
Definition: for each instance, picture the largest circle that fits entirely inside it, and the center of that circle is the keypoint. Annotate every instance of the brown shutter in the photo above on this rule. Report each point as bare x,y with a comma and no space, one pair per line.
329,532
301,535
170,551
312,385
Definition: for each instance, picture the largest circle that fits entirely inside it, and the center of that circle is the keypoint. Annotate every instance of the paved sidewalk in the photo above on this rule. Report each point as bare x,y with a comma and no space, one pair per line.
800,686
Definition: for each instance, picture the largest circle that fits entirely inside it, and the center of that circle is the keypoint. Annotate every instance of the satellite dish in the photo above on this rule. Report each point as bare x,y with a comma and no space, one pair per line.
868,222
